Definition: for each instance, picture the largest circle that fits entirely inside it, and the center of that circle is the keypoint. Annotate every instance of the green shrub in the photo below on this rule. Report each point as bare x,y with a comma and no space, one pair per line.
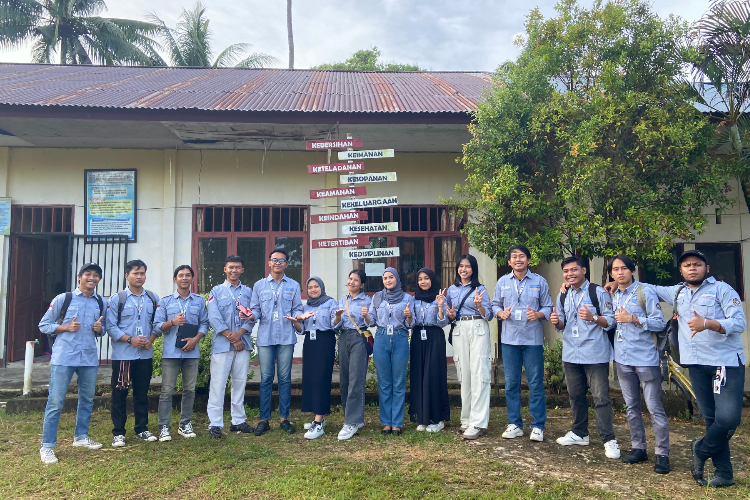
554,376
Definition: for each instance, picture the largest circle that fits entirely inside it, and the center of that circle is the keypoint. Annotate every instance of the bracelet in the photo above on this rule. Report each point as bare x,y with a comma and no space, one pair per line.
704,323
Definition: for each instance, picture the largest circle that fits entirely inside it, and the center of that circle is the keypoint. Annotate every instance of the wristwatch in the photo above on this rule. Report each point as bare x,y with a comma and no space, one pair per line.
595,318
129,340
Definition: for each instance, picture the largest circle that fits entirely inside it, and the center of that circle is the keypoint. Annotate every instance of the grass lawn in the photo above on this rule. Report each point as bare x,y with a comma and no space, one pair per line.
276,465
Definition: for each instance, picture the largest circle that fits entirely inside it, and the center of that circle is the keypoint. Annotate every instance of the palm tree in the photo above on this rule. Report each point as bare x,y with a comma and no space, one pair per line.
73,29
189,43
723,42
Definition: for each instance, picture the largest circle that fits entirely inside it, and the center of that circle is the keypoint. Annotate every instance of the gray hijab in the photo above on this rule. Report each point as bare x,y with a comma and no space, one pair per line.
319,301
394,295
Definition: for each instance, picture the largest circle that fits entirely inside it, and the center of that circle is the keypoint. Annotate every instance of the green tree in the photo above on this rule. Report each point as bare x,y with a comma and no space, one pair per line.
722,37
189,44
72,29
368,60
590,142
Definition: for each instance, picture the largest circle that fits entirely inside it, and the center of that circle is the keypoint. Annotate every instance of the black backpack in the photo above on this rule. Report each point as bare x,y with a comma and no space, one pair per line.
122,297
66,304
671,333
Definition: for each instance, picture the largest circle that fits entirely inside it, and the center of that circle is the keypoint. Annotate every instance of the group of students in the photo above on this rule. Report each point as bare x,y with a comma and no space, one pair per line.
710,323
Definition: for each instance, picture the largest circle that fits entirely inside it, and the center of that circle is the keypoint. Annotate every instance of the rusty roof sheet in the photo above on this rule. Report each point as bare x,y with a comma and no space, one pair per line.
240,89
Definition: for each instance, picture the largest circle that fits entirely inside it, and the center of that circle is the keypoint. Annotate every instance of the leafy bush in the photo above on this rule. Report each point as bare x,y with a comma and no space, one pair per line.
554,376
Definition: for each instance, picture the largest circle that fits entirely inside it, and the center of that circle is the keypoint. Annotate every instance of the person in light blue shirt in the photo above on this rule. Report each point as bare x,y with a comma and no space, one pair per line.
173,312
276,303
230,348
522,301
130,325
586,354
710,322
638,315
393,316
470,310
74,351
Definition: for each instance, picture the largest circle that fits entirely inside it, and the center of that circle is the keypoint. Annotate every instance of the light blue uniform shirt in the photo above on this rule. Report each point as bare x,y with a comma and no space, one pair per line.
712,300
196,313
532,291
129,323
393,314
74,348
355,309
323,319
592,344
280,299
426,313
223,315
636,345
457,293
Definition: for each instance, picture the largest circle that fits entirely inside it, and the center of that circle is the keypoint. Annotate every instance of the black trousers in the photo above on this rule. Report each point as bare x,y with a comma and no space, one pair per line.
140,379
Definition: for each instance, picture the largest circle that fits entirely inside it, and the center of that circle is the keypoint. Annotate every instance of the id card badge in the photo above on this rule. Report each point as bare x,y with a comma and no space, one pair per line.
517,315
717,385
313,334
276,315
139,331
574,331
619,336
423,334
389,329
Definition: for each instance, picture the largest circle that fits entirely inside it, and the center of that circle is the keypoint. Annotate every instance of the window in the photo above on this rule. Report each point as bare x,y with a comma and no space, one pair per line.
250,232
428,236
665,274
725,263
41,219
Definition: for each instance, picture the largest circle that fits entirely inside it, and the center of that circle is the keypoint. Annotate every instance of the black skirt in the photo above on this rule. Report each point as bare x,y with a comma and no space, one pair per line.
317,369
428,397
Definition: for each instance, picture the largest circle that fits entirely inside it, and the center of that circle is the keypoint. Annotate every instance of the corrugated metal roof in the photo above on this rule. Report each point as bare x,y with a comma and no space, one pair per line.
240,89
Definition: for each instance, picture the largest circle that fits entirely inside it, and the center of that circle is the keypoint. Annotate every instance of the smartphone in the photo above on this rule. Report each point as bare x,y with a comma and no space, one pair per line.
244,310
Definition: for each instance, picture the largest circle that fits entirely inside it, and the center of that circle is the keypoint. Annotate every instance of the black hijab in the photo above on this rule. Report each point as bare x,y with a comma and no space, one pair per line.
430,294
319,301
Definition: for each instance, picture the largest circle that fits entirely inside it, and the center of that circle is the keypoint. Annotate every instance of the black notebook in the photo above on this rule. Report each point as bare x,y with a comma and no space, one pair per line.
186,331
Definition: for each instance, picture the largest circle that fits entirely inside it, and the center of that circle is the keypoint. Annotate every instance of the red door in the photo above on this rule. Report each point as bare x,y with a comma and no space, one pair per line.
26,303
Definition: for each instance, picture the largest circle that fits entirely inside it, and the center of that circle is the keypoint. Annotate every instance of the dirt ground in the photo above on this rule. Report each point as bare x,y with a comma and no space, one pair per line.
588,465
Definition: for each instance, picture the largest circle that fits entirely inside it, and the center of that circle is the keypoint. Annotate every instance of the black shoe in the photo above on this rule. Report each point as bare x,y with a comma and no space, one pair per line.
397,432
287,427
697,464
243,427
719,482
635,456
262,428
214,432
662,464
385,432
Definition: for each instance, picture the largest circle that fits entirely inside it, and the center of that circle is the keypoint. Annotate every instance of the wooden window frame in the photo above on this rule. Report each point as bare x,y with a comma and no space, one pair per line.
24,218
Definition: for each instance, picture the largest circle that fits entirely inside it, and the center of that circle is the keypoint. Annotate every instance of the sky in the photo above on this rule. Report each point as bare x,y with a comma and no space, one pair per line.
455,35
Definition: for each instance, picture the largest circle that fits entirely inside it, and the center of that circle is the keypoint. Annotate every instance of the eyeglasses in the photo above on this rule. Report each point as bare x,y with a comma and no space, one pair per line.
278,261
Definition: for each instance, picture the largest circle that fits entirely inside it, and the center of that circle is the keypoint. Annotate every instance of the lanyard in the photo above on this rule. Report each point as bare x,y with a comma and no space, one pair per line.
618,296
576,306
184,308
138,308
388,310
276,295
424,312
523,286
231,293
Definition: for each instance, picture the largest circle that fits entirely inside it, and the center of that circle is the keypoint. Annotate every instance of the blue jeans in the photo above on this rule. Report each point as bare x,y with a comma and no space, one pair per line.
391,356
532,358
59,380
722,413
282,355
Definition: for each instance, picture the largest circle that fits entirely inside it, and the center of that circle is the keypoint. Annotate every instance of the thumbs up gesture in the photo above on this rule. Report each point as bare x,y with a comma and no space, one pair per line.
696,324
98,325
585,314
179,320
504,314
407,312
74,325
554,317
531,314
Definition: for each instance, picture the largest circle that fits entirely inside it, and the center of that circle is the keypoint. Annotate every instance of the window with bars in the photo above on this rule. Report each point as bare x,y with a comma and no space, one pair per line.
427,236
42,219
250,232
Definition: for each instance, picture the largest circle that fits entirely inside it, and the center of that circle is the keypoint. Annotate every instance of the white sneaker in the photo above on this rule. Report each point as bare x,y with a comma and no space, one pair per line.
536,434
186,430
573,438
48,456
147,436
164,434
463,427
118,441
421,428
347,431
512,432
612,449
472,433
435,427
315,431
85,442
309,425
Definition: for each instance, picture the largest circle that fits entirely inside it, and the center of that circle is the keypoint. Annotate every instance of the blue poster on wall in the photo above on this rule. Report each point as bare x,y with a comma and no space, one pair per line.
110,203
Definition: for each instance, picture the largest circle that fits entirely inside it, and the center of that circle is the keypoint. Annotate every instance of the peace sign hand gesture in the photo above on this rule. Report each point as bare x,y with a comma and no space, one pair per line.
440,298
478,298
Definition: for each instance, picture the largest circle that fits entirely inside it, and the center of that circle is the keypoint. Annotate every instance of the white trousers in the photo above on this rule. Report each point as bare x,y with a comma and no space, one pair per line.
471,354
222,365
